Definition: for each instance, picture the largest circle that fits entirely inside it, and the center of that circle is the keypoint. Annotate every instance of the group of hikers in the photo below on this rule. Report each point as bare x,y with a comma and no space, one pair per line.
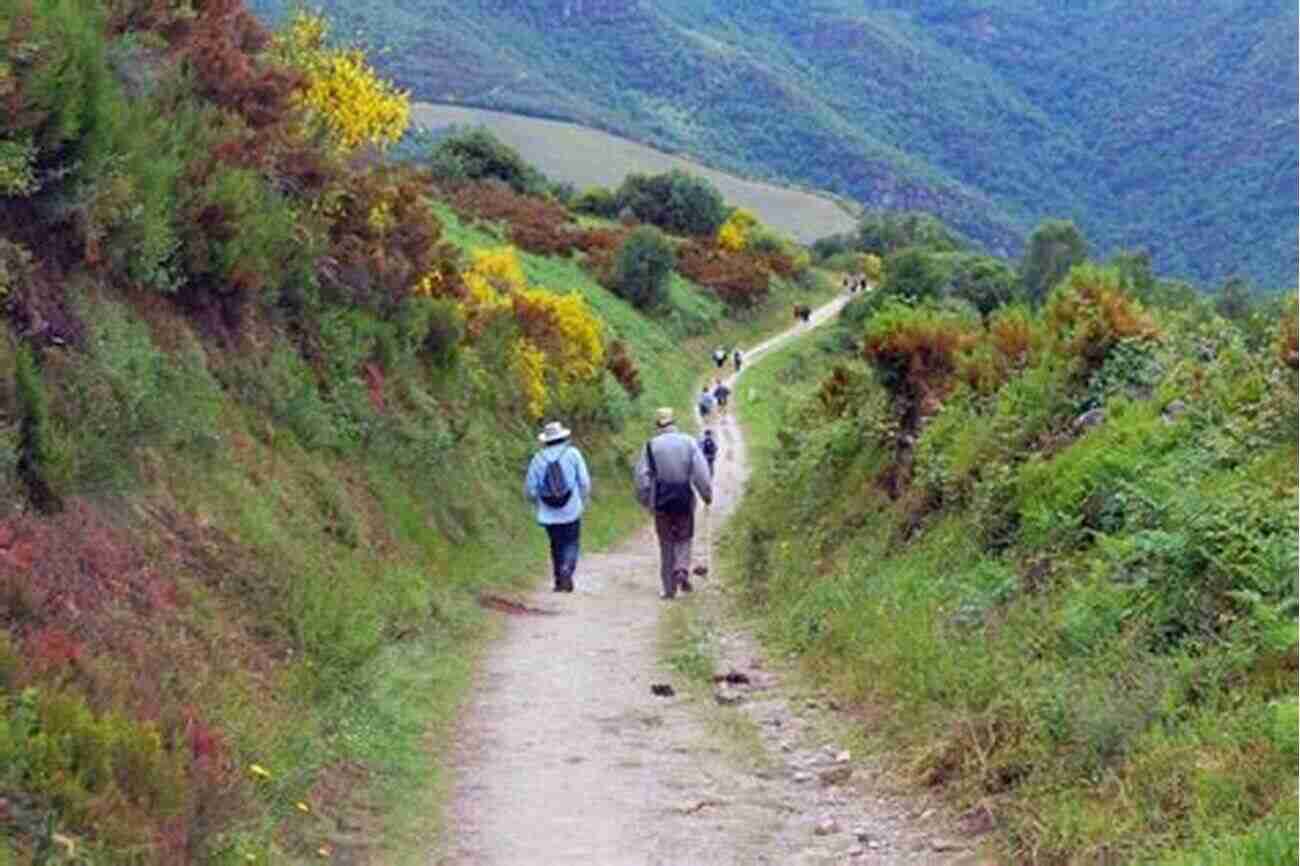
720,356
854,283
673,468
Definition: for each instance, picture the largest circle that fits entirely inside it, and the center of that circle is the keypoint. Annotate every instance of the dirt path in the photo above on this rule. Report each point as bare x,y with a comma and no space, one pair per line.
565,756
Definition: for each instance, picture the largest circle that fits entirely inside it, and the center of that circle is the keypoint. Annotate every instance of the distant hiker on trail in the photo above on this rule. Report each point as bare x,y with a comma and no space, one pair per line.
558,484
709,448
671,465
719,357
720,394
803,312
704,402
735,357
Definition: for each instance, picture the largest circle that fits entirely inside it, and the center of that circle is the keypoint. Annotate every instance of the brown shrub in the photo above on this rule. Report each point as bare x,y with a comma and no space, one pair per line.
739,279
1287,343
623,368
534,224
1089,313
384,241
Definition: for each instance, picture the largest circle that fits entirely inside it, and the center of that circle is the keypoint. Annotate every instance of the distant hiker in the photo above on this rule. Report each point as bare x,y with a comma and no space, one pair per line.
803,312
704,402
735,357
672,469
558,484
719,357
709,448
846,283
720,394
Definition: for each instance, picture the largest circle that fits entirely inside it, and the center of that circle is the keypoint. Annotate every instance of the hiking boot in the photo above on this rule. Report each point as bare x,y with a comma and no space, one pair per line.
666,596
684,585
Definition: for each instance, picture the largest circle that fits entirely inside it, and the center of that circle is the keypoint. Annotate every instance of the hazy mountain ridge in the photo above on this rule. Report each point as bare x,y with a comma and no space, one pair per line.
1158,123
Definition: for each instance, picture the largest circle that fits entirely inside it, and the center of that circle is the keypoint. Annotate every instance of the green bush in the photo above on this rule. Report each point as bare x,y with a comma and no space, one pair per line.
915,272
984,281
124,394
477,154
598,201
675,201
642,268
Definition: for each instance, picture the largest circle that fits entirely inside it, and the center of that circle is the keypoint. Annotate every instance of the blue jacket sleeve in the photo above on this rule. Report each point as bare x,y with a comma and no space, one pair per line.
532,480
584,479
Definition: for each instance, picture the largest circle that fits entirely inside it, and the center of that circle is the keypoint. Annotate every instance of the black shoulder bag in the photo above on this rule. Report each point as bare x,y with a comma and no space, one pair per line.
671,497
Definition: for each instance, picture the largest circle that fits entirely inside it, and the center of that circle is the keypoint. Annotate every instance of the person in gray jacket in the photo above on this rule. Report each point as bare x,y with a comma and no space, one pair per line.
671,471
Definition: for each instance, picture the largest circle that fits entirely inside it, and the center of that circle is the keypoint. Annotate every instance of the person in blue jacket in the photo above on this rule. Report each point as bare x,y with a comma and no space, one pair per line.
560,496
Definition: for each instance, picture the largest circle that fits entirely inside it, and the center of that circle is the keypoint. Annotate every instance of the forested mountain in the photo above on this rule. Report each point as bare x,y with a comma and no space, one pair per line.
1163,124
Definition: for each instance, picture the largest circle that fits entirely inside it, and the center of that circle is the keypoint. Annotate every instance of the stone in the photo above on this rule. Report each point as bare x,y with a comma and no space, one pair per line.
941,845
826,827
727,697
843,757
1089,419
1174,411
802,777
835,775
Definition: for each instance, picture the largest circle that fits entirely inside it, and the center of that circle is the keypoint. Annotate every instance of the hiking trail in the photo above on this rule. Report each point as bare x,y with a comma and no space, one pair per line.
564,756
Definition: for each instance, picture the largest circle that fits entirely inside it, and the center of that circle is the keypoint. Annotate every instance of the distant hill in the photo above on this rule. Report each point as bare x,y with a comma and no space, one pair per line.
1149,122
585,157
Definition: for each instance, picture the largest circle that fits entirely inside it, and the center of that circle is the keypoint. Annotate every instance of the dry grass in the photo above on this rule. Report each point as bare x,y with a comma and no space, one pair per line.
587,157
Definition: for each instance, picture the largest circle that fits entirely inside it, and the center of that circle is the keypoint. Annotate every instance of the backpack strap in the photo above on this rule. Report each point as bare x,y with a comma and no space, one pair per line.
650,459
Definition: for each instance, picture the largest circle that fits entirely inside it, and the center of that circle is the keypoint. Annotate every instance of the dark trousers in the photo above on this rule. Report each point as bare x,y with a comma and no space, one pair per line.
564,551
675,532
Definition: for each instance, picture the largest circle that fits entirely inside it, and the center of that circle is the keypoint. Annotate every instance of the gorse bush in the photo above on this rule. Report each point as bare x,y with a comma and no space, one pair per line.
342,93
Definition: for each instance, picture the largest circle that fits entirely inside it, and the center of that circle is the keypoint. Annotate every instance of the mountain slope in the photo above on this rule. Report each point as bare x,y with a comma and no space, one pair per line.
1149,123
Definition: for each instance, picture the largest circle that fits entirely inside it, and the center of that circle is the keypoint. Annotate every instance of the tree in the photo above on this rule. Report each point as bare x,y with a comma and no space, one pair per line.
916,272
675,201
642,267
1053,248
986,282
1233,300
477,154
885,232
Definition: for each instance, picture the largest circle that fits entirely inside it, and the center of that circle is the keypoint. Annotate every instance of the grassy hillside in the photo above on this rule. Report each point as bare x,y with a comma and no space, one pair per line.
585,157
1048,558
1155,124
265,402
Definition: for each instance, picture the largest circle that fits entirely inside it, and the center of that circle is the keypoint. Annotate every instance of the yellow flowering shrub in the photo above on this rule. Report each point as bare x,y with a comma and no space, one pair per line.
529,365
734,234
561,343
872,268
343,93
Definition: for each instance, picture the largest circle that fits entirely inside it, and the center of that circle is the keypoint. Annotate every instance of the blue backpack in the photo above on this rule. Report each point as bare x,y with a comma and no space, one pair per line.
555,490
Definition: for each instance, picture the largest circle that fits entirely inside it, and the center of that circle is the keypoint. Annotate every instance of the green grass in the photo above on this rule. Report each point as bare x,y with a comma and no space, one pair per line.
1058,668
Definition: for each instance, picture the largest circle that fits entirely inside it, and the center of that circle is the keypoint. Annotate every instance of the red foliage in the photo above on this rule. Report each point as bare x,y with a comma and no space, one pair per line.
623,368
535,224
740,279
90,607
50,649
221,44
378,263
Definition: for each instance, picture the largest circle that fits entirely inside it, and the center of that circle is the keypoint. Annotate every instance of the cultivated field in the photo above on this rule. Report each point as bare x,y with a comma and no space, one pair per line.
585,157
